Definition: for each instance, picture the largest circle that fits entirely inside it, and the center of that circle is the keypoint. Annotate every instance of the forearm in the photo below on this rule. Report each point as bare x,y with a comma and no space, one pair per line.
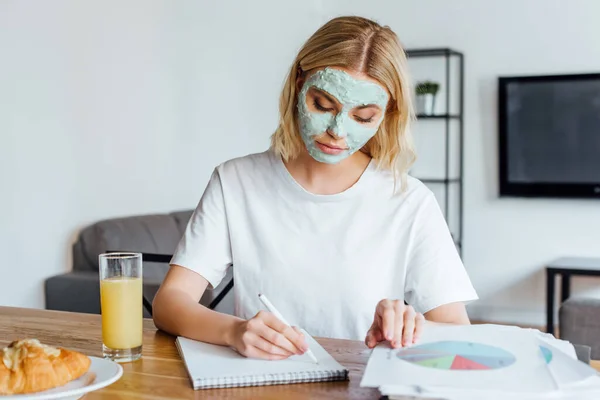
453,313
430,323
177,313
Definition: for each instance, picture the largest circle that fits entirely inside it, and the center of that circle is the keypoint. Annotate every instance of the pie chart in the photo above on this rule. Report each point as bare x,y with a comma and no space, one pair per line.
457,355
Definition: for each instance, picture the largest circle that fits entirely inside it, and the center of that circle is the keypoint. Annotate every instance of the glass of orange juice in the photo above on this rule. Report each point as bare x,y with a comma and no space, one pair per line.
121,305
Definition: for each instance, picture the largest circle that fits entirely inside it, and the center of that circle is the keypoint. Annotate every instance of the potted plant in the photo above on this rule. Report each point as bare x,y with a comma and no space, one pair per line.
426,92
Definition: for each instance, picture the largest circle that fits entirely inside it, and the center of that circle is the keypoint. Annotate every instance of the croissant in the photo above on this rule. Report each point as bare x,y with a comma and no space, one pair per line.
27,366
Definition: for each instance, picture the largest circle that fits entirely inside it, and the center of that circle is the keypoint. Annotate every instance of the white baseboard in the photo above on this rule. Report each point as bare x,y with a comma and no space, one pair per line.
507,315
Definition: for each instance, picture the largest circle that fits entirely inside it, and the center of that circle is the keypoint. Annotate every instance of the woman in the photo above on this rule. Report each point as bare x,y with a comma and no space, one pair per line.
326,223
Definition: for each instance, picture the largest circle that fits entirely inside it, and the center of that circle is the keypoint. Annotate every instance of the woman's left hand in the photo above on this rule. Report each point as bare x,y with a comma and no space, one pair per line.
396,322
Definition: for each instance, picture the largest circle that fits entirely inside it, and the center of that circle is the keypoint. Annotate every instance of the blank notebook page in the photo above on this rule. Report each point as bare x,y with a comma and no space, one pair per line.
211,366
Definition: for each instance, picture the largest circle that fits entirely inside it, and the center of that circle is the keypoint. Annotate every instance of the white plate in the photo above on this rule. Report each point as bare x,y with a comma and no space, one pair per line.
101,374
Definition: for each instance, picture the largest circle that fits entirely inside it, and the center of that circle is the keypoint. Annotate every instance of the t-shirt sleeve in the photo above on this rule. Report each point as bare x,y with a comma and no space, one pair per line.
435,273
205,246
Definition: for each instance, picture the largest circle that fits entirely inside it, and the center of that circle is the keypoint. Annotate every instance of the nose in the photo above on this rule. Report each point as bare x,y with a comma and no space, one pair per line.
337,127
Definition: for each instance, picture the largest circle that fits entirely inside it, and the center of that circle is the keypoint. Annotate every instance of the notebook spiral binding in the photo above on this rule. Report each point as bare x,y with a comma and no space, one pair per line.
272,379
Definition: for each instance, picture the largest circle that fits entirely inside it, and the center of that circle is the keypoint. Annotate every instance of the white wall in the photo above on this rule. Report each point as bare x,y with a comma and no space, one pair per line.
117,108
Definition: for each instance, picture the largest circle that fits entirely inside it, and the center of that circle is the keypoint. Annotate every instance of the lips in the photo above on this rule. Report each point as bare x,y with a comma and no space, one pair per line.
330,149
332,146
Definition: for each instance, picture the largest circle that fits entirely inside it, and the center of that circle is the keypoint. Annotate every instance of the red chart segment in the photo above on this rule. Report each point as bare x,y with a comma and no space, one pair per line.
456,355
492,362
465,363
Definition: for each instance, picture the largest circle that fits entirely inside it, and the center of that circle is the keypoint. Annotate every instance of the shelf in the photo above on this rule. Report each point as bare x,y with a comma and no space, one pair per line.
447,184
438,116
436,52
444,181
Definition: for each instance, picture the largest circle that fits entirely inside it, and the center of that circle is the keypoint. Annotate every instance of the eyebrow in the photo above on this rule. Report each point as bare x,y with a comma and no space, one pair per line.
334,100
326,95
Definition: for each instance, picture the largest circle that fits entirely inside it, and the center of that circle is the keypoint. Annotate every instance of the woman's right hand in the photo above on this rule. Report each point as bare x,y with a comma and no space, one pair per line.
264,336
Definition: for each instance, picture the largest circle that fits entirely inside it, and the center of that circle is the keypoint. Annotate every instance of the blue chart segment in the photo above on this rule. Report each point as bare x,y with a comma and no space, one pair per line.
457,355
547,353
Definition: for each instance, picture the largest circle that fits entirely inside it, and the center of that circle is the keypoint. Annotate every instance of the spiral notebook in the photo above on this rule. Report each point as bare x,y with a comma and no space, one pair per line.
213,366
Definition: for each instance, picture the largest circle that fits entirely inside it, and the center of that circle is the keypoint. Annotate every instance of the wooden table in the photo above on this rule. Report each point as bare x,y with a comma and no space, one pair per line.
160,374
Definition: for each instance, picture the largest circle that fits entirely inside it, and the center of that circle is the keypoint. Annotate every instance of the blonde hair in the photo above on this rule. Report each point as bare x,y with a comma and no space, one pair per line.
361,45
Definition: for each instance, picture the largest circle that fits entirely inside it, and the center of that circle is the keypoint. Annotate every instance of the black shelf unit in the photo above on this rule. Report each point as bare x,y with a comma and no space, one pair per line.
447,118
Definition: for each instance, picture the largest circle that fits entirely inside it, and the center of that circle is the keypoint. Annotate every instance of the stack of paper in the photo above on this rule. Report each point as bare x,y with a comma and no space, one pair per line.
482,362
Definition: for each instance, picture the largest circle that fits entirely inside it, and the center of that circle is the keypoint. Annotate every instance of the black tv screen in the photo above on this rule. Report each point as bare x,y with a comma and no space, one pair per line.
549,131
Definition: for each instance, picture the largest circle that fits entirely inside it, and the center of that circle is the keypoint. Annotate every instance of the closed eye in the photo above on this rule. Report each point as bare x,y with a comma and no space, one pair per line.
363,120
320,107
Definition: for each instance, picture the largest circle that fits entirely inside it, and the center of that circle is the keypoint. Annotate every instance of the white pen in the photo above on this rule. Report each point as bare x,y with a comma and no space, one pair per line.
272,308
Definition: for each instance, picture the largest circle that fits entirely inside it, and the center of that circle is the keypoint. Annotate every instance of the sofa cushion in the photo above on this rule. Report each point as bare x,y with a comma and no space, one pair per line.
182,218
147,234
579,322
80,292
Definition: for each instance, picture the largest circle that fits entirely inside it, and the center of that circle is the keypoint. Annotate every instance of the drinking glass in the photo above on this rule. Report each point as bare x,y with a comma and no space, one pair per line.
121,306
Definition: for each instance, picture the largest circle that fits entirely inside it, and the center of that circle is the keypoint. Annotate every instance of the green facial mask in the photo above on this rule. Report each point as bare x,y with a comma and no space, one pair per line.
350,93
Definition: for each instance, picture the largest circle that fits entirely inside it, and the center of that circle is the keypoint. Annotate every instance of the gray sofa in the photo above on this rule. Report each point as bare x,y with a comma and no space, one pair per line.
79,290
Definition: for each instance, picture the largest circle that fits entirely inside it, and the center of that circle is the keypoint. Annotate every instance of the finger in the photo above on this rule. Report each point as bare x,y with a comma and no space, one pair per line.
255,352
386,312
419,324
409,326
399,311
298,331
374,334
370,339
278,339
373,337
301,336
287,337
258,326
259,342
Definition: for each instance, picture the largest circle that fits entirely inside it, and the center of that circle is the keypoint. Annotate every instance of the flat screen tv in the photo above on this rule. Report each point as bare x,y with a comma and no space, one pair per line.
549,136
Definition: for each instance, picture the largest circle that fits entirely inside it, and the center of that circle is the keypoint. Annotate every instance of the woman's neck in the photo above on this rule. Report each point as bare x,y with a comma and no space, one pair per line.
325,179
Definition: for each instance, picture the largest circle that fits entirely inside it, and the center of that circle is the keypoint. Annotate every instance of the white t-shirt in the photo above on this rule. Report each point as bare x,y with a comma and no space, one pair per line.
324,261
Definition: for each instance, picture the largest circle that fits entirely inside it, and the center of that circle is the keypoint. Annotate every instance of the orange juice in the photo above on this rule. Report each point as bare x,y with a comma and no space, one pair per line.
121,302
